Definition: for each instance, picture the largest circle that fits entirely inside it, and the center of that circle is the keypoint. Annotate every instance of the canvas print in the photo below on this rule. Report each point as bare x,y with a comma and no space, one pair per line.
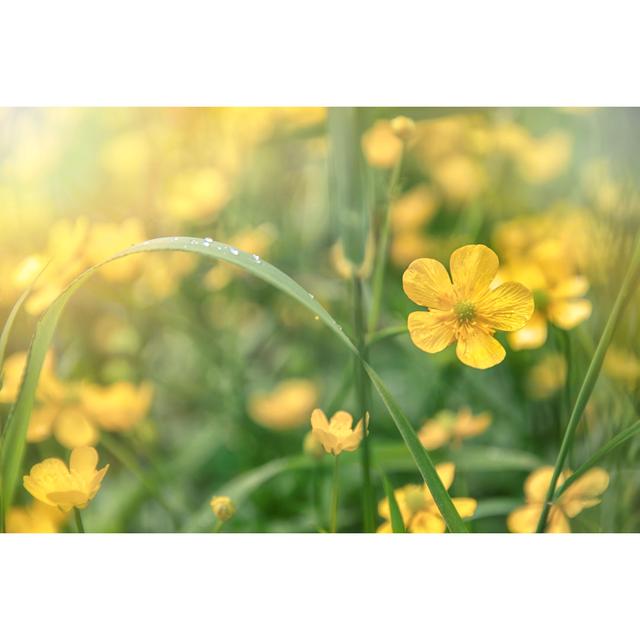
322,320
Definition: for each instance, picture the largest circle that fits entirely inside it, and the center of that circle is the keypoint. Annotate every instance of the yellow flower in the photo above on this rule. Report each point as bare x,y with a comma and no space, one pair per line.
413,209
547,376
286,407
196,194
447,426
460,177
467,310
403,127
557,300
51,482
582,494
622,365
337,435
37,517
407,246
50,388
222,507
545,158
117,407
381,146
72,429
418,509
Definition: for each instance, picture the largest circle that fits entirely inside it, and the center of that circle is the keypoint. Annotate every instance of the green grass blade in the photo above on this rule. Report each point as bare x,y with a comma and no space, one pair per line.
605,450
397,523
13,449
421,457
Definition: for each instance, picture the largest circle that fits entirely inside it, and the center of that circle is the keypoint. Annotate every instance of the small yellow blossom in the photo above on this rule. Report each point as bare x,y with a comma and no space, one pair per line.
50,388
286,407
413,209
222,507
381,146
547,376
448,426
622,365
72,429
582,494
57,485
407,246
337,435
418,509
460,177
196,195
403,127
117,407
37,517
467,310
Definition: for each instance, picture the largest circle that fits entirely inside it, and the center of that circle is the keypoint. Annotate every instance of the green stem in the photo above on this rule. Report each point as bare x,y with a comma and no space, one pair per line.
78,517
388,332
383,247
218,526
334,500
628,285
364,401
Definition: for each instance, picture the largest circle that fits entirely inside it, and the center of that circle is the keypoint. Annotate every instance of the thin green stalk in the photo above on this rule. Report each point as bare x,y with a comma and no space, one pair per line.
334,499
628,285
364,401
383,246
383,334
78,517
218,526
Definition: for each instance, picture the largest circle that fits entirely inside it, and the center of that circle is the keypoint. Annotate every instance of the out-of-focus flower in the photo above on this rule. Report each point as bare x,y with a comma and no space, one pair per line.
582,494
545,158
418,509
381,146
547,376
622,365
37,517
345,268
196,195
72,428
413,209
51,482
50,388
403,127
460,177
337,434
447,426
128,155
223,507
467,310
312,446
285,407
163,273
408,246
116,407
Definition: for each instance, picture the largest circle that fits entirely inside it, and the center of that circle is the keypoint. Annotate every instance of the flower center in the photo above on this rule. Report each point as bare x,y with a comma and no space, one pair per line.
465,311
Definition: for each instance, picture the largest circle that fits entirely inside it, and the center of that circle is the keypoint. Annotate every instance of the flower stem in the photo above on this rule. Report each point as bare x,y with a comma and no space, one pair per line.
218,526
78,517
364,391
628,285
334,500
383,247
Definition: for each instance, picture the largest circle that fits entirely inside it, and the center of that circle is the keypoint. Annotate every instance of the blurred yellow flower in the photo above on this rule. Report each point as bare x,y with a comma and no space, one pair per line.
460,177
196,195
403,127
406,246
418,509
37,517
312,446
72,428
285,407
467,310
345,268
223,507
116,407
337,435
381,146
582,494
545,158
50,388
413,209
622,365
51,482
547,376
447,426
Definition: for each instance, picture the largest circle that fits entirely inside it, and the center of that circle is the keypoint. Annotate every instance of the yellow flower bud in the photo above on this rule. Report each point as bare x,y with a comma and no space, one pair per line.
223,507
403,127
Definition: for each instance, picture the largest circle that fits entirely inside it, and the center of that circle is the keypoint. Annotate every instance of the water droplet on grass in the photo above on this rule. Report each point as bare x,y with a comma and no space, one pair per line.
256,258
234,251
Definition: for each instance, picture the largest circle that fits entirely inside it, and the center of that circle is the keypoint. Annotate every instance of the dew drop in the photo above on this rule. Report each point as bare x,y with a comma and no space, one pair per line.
207,239
234,251
311,296
256,258
316,317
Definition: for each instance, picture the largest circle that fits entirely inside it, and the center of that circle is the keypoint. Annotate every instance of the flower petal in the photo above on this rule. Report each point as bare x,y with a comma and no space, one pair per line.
66,500
507,307
431,331
574,287
524,519
473,268
341,421
319,420
583,493
84,461
537,484
427,283
568,314
531,336
465,507
426,522
476,348
433,435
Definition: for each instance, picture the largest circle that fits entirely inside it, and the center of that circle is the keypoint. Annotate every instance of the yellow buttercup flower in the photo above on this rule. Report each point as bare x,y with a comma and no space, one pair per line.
337,435
418,509
413,209
547,376
622,365
57,485
286,407
465,310
37,517
381,146
582,494
117,407
222,507
403,127
448,426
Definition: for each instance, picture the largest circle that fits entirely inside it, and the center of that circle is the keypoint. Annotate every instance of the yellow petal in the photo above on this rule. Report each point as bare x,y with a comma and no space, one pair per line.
568,314
319,420
476,348
73,429
508,307
427,522
385,527
433,435
473,268
84,461
532,335
427,283
574,287
66,500
537,484
583,492
468,425
431,331
465,507
446,471
557,522
341,421
524,519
